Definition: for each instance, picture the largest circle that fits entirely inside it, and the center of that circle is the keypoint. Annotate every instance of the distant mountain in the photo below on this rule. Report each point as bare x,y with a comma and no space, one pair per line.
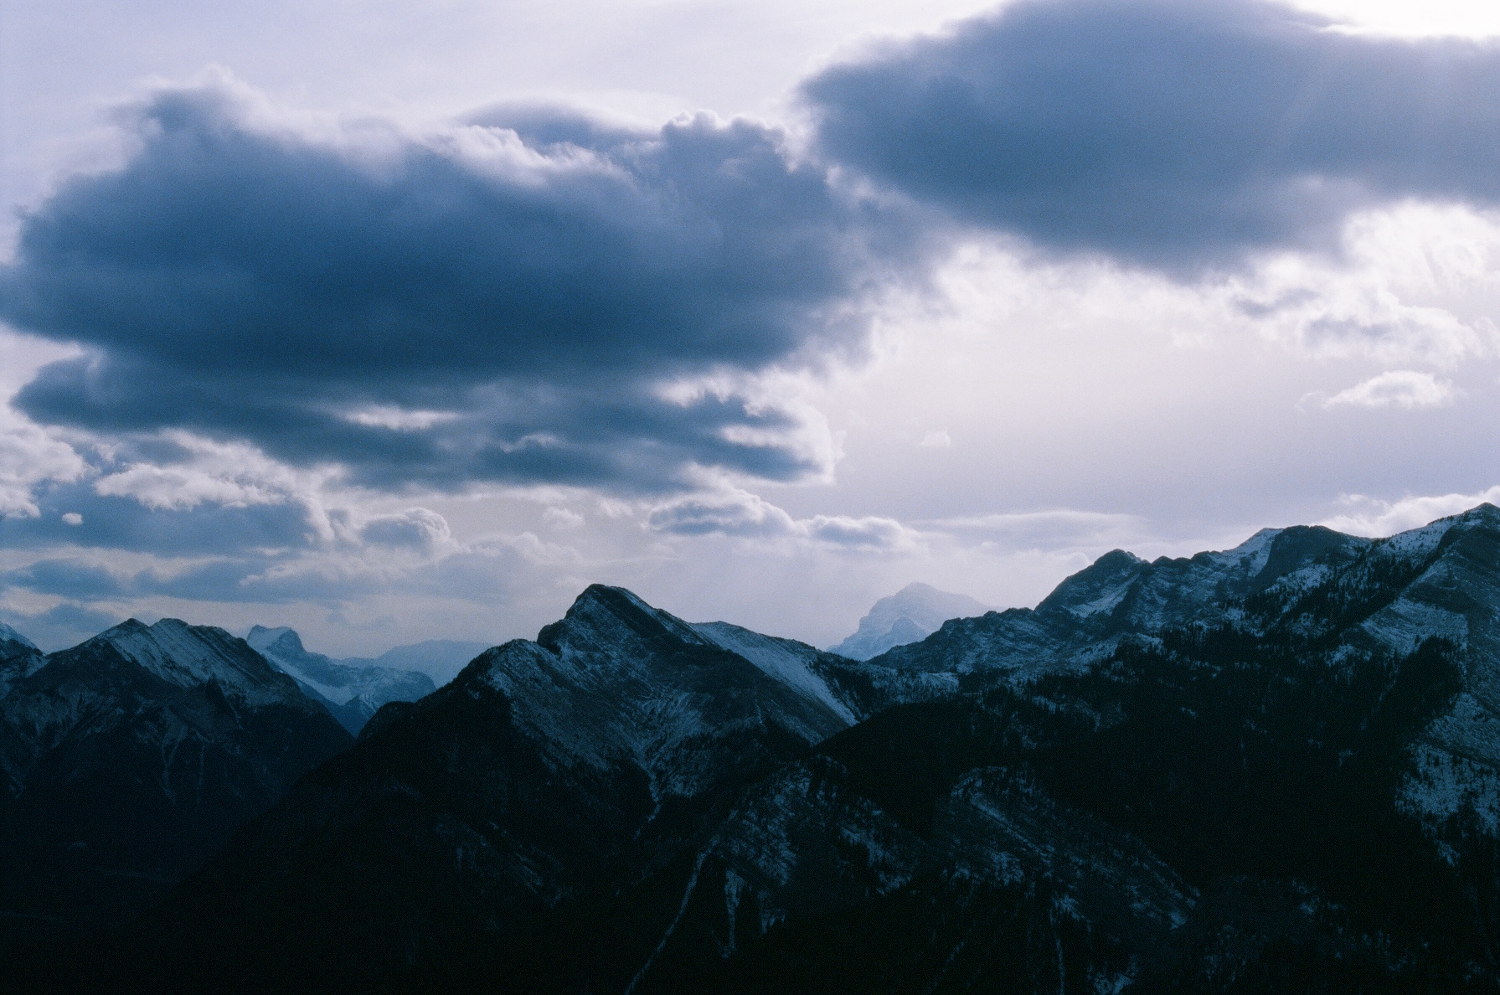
439,659
131,758
352,692
907,616
1273,768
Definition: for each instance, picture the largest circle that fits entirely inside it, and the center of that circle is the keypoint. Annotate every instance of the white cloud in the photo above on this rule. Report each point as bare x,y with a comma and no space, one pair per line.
739,513
1413,283
936,440
398,419
730,511
30,456
234,474
416,529
562,518
1405,389
1051,529
72,518
1369,516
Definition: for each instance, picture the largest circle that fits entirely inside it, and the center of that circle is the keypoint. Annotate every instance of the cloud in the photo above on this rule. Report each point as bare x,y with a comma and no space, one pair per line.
738,513
867,533
1063,528
415,528
1165,133
124,523
30,456
729,512
936,440
478,302
1405,389
63,625
1369,516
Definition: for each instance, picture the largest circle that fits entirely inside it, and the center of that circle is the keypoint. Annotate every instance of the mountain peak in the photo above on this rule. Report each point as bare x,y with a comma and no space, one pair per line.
191,655
1481,514
280,638
905,617
605,613
7,634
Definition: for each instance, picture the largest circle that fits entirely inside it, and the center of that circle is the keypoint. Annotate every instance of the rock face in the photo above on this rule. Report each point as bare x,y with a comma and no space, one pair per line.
907,616
1267,769
350,692
1120,594
129,759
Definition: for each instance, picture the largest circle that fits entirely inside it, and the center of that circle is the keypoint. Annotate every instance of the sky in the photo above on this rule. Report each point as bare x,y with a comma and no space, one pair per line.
401,321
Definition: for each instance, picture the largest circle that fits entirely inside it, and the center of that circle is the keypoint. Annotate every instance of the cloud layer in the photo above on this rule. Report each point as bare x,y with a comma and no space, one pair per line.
466,304
1166,133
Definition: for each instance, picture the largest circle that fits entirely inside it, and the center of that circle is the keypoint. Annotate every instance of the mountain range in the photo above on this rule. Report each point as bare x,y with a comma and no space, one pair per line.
1274,768
351,691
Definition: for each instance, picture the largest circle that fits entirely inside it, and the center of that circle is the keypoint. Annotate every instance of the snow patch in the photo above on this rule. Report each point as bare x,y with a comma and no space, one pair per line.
783,659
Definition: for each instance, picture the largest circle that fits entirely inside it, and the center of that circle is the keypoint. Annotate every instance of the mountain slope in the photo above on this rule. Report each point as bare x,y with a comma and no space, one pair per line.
540,778
1083,619
1259,770
132,757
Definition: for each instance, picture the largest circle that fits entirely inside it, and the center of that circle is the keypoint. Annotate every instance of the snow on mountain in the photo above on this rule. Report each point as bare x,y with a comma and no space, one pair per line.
785,659
131,757
9,635
905,617
19,658
618,677
188,656
351,693
1120,594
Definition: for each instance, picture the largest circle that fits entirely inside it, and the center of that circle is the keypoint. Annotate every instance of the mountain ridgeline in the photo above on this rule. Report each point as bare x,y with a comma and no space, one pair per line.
1274,768
350,692
131,758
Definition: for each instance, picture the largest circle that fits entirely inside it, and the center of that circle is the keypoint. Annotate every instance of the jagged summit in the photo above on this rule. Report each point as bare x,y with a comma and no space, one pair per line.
7,634
616,676
613,615
131,757
905,617
262,638
351,690
192,655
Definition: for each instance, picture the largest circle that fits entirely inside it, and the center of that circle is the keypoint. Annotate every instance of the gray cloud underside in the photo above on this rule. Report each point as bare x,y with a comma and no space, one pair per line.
263,285
1166,133
519,286
124,523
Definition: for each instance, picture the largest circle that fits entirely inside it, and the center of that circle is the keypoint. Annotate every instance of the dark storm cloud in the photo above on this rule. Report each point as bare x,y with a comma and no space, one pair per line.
251,281
126,524
1166,133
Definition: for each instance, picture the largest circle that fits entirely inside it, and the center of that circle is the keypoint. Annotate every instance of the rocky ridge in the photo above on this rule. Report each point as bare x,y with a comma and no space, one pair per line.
1263,769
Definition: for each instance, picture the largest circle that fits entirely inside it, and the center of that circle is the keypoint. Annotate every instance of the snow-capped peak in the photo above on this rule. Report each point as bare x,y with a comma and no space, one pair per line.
7,634
192,655
262,638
